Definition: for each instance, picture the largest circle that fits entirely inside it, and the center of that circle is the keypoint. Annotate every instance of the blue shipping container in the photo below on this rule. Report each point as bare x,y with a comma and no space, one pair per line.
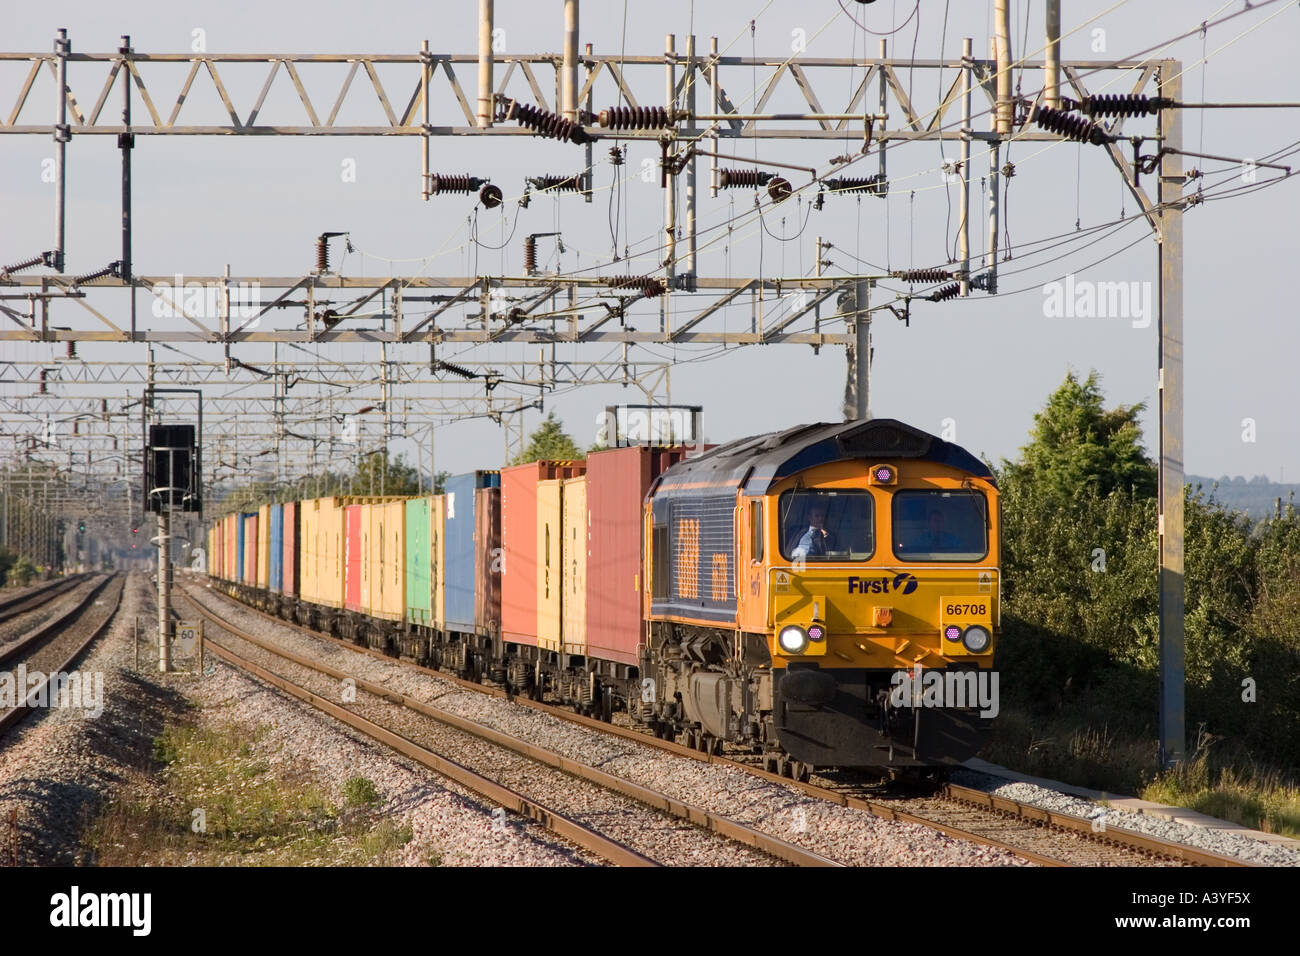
459,574
275,563
239,544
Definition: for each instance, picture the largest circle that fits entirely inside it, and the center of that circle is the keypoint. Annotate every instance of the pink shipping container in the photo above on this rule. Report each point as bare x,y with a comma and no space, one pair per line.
356,540
289,564
250,552
519,545
617,482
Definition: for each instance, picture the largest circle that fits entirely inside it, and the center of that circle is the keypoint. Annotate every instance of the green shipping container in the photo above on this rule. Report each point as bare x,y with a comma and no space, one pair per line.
419,592
424,558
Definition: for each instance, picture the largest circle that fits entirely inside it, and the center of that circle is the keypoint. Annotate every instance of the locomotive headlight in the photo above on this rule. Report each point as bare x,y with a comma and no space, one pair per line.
976,639
793,639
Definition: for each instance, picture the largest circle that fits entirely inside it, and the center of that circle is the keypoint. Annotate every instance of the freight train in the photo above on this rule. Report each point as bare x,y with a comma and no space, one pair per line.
784,593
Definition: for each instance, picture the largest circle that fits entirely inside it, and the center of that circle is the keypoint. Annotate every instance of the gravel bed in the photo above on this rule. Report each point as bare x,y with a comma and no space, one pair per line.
51,655
851,836
19,627
57,768
1217,841
652,833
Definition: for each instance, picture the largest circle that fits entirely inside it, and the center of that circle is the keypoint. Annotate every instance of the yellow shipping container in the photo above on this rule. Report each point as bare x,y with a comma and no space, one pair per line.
573,565
437,557
320,552
384,576
263,546
550,529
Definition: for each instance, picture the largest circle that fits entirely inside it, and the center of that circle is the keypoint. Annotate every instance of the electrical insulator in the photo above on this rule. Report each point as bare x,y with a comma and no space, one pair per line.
490,196
1124,104
540,121
576,183
947,292
740,178
323,250
114,269
44,259
778,187
638,117
1071,127
921,275
650,286
875,184
530,255
459,370
438,183
44,375
615,156
72,348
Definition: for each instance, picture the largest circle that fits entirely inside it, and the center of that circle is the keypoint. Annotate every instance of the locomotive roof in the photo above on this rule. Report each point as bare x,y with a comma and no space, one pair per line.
759,462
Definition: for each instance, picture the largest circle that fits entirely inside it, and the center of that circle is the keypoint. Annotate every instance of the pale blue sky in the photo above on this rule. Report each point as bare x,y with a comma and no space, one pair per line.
987,363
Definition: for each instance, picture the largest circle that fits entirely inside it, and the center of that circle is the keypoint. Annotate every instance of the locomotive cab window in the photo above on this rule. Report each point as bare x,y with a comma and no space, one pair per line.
940,525
822,525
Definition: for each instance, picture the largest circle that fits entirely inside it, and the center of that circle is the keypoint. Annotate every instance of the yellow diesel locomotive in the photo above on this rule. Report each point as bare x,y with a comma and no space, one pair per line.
825,595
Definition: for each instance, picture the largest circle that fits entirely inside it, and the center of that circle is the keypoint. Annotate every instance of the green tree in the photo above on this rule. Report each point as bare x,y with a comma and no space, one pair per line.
1077,445
550,443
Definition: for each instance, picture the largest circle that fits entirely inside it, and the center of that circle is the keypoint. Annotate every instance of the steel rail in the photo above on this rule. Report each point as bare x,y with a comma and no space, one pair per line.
34,598
41,635
16,714
716,823
1119,836
557,823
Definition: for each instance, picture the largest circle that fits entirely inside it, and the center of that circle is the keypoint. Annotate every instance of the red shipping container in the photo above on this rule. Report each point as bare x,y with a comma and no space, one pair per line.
353,558
487,553
519,544
288,563
617,482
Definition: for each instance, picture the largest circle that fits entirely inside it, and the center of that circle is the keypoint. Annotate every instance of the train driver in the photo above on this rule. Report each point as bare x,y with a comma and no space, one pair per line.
818,539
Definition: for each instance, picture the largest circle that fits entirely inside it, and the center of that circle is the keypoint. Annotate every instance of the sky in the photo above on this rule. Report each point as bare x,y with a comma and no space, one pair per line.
972,369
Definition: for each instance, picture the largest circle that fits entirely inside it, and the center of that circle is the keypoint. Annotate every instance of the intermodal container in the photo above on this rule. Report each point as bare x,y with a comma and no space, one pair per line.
356,538
461,569
438,560
419,562
519,536
550,528
275,559
249,577
230,547
487,550
289,552
264,547
387,565
320,552
617,482
573,566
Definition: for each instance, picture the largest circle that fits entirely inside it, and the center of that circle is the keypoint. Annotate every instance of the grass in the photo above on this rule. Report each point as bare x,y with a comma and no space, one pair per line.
1261,800
1073,748
218,797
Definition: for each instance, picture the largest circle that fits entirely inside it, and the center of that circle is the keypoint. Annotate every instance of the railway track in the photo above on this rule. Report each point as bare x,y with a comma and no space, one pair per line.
652,828
1043,837
36,597
56,645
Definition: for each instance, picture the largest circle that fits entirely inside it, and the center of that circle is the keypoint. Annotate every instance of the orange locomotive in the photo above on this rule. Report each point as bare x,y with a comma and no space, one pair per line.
827,595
